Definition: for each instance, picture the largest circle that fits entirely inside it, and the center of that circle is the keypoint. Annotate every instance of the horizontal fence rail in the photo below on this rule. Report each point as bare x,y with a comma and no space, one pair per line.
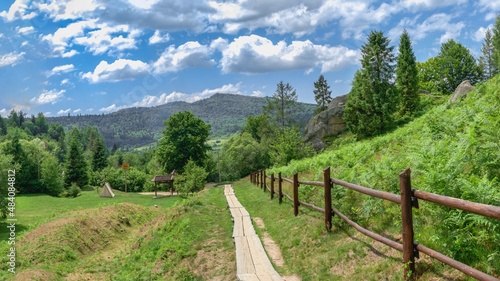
407,199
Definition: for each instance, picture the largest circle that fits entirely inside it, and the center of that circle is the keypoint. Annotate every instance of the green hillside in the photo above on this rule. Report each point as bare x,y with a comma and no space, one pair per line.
453,150
136,127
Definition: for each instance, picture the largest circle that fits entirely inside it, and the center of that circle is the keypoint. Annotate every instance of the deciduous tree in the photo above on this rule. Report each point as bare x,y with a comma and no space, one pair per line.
184,138
456,64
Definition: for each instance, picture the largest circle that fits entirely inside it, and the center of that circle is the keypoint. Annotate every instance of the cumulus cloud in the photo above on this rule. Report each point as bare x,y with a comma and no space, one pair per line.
97,38
190,54
418,5
69,10
18,10
25,30
256,54
61,69
439,22
480,34
167,15
149,100
11,59
119,70
158,38
62,111
52,96
109,39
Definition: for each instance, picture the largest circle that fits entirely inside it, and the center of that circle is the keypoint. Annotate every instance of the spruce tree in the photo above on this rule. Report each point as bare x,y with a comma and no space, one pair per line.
322,94
99,160
495,40
76,167
486,61
371,102
3,127
282,105
407,76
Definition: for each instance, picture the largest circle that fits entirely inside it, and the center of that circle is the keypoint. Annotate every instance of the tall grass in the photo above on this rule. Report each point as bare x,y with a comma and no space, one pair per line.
453,150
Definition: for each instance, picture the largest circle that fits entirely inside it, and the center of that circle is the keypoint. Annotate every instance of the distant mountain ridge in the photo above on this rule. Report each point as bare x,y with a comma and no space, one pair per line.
138,126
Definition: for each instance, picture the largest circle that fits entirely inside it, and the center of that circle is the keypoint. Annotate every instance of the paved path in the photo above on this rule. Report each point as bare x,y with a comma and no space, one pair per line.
252,263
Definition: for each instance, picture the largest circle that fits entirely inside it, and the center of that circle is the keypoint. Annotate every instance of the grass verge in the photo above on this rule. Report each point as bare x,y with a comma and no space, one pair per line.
314,254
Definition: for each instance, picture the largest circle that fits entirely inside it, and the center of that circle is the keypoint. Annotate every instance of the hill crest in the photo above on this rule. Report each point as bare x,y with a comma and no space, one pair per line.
139,126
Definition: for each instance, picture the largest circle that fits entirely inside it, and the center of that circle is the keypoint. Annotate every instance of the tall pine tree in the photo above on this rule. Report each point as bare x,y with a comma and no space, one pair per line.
76,166
407,76
282,105
487,60
99,160
371,102
495,40
322,94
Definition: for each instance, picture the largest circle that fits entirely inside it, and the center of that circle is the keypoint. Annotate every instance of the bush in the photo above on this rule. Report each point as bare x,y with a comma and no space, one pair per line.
73,191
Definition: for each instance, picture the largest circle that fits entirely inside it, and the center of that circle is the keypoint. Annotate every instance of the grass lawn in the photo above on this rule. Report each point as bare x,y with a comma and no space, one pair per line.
35,209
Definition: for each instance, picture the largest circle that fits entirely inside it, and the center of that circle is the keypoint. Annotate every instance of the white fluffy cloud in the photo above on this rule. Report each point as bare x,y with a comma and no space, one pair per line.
52,96
164,98
256,54
61,69
190,54
18,10
97,38
109,39
158,38
25,30
435,23
121,69
62,111
69,10
11,59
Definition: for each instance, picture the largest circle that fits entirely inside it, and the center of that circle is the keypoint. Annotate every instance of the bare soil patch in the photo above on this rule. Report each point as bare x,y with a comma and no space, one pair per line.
273,250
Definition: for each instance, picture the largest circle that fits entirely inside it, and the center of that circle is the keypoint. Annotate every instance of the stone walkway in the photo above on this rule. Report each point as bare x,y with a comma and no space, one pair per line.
252,263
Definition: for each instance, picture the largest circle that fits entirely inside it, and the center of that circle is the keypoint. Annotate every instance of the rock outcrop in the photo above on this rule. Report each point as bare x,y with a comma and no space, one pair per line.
461,91
326,123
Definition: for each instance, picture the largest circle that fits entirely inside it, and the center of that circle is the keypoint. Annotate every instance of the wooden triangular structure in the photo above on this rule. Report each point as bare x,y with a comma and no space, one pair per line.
107,192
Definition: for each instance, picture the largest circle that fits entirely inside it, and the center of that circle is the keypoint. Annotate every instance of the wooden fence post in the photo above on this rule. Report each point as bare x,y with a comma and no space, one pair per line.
407,222
265,180
272,186
280,189
328,199
296,194
251,177
261,178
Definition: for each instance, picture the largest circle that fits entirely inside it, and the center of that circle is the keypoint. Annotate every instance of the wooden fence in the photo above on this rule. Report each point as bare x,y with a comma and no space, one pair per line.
407,199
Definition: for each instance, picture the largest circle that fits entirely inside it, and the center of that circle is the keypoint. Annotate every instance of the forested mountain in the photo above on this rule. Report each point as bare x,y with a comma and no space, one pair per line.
135,127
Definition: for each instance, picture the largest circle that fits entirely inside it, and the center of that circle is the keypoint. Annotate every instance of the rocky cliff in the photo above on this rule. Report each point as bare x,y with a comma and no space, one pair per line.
326,123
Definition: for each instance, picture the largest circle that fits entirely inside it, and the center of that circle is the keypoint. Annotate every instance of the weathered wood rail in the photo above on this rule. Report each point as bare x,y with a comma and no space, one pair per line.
407,199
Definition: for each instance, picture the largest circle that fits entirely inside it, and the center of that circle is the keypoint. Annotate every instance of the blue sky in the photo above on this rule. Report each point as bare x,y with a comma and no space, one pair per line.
74,57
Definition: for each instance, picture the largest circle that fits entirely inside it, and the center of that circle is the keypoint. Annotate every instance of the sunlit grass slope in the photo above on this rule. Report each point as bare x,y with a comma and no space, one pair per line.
453,150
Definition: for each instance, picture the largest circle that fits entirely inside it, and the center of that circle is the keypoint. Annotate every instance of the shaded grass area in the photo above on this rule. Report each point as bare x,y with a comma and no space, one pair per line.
312,253
188,239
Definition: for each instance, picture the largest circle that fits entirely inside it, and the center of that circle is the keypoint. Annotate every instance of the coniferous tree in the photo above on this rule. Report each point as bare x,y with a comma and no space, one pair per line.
322,94
372,100
495,41
14,119
41,124
407,76
76,166
99,160
282,105
487,61
3,127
